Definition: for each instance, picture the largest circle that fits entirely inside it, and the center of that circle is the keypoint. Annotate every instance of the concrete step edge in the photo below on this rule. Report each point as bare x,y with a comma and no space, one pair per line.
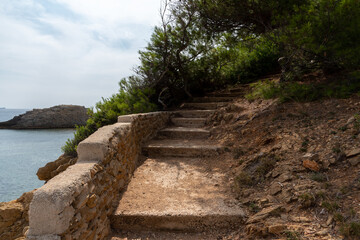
184,129
191,113
204,106
212,99
195,120
176,222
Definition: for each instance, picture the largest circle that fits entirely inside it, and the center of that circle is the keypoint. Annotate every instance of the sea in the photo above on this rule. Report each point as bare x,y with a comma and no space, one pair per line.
22,152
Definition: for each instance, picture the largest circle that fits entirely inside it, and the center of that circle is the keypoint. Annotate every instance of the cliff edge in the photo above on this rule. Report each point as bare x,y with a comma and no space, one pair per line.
62,116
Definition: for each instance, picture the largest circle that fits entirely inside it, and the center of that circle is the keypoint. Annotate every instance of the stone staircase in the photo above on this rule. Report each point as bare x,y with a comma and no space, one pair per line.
177,188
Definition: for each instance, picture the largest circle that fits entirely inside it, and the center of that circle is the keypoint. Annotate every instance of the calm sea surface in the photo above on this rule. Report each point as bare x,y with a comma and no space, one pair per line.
22,152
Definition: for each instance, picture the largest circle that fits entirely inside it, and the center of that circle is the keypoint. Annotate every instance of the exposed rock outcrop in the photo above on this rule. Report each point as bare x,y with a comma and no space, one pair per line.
52,169
62,116
14,217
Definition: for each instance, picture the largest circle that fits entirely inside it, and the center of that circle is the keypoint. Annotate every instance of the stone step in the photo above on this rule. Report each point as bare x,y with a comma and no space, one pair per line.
177,195
236,90
189,122
184,133
181,148
193,113
223,94
204,106
168,235
212,99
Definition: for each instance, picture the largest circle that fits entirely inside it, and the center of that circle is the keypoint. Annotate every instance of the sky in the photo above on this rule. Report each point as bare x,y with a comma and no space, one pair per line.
56,52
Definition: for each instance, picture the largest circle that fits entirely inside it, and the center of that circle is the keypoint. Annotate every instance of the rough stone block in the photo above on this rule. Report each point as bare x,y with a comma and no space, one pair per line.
50,211
95,147
44,237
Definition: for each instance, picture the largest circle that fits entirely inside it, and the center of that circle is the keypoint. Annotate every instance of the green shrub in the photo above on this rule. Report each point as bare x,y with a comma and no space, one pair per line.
330,206
321,34
357,122
254,207
307,200
263,89
81,132
310,34
318,177
246,61
304,92
255,172
244,179
292,235
265,166
131,98
339,218
351,229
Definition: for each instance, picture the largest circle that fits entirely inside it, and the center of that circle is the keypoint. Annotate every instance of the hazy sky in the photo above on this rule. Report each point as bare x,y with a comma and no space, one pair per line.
69,51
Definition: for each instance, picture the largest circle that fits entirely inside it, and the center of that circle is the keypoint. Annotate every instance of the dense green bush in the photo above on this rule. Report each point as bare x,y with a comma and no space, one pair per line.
131,98
309,34
249,62
324,34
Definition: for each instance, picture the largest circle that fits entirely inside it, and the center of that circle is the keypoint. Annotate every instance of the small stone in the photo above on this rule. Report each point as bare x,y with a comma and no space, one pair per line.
300,219
354,161
350,120
277,229
332,160
81,200
88,214
326,164
275,189
329,220
353,153
266,212
311,156
338,158
275,173
322,232
25,230
284,177
312,165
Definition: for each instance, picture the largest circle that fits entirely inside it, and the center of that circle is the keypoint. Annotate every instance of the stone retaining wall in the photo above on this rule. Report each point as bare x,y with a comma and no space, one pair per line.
77,203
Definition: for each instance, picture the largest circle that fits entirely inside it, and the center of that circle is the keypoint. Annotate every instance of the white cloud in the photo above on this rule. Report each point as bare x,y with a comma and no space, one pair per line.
115,11
69,51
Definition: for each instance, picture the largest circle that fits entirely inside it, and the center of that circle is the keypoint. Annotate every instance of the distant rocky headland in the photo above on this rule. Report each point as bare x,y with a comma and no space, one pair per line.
62,116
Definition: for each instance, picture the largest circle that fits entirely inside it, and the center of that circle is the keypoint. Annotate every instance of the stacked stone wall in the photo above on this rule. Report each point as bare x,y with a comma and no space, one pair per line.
78,203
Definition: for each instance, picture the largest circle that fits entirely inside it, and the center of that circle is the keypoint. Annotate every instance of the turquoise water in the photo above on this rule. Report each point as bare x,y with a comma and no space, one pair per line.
22,152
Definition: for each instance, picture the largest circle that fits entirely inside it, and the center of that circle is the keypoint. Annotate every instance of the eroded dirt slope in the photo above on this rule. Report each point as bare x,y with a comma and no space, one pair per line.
295,166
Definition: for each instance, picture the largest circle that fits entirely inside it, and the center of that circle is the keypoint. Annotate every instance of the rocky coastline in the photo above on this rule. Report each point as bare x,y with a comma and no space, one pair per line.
61,116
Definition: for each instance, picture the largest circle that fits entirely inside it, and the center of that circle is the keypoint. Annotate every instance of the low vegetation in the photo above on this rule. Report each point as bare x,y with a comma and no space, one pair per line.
255,171
306,92
130,99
